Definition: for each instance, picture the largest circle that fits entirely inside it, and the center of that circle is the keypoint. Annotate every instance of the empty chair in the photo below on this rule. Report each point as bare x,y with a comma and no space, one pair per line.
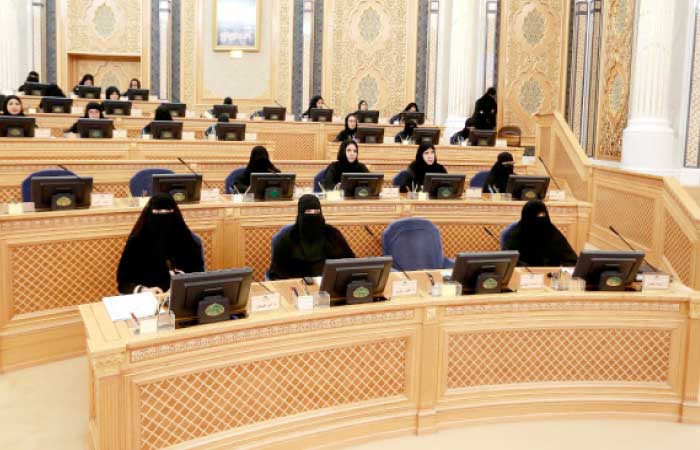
142,181
479,179
318,180
505,234
27,182
231,177
415,244
511,134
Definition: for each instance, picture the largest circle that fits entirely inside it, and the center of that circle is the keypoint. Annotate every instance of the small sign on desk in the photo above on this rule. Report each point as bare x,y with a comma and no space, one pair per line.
655,281
404,288
392,192
42,132
305,302
266,302
210,195
188,135
97,200
119,134
473,193
557,195
531,280
14,209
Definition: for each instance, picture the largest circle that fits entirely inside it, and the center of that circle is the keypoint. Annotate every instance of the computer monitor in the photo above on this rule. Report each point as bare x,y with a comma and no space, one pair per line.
370,135
56,105
166,129
321,115
443,186
117,107
183,187
482,138
527,187
231,110
205,297
272,186
137,94
38,89
63,192
484,272
2,102
176,109
356,280
95,128
361,185
369,116
17,126
230,131
426,136
608,270
274,112
419,117
92,92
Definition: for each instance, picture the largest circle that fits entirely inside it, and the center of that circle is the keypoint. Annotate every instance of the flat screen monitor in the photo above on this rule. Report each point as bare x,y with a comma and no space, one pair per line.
56,105
527,187
38,89
368,116
95,128
274,112
137,94
419,117
482,138
166,129
183,187
484,272
176,109
608,270
356,280
361,185
321,115
231,110
229,287
2,102
17,126
272,186
230,131
370,135
63,192
117,107
426,136
443,186
92,92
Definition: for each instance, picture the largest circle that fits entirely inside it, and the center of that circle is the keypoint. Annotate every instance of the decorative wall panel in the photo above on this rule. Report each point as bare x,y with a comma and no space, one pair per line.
107,73
369,53
104,27
693,135
531,57
615,77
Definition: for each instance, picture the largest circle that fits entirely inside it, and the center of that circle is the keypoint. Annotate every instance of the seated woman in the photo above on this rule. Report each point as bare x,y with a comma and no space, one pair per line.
162,113
411,107
302,250
538,240
134,84
425,162
407,133
497,181
160,242
32,77
316,102
259,163
112,93
362,105
52,90
93,110
350,129
87,80
211,130
12,106
348,162
462,135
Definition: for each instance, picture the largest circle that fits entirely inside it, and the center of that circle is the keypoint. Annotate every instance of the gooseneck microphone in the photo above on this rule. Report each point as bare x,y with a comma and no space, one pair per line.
617,233
549,174
207,185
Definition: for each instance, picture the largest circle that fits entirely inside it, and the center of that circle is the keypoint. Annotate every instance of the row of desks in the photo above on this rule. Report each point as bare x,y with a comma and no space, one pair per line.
51,262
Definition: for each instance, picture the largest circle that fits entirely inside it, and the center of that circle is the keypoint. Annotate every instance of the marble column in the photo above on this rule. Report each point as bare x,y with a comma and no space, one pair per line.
38,19
165,47
16,51
307,52
648,140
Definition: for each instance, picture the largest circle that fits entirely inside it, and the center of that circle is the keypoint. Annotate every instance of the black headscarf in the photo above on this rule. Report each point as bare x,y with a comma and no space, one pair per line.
498,176
111,90
86,77
228,101
342,159
407,132
359,104
310,228
52,90
419,167
538,240
7,100
163,113
32,77
259,162
312,105
88,107
347,133
409,106
157,243
138,83
464,132
485,110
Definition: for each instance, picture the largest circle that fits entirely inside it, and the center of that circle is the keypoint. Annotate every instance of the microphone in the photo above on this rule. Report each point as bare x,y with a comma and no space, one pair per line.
66,169
490,233
549,174
374,236
653,269
207,185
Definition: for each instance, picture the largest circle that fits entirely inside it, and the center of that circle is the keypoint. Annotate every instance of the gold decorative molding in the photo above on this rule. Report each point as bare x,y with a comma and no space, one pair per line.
562,306
693,139
188,50
104,27
108,365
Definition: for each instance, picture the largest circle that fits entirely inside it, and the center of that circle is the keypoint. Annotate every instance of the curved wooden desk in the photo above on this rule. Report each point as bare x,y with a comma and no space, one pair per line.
290,379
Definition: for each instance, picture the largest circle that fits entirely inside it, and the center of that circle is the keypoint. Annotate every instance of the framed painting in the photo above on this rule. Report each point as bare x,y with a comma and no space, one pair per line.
237,25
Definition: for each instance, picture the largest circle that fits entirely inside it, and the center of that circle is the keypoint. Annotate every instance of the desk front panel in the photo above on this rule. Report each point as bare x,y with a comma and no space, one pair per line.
445,153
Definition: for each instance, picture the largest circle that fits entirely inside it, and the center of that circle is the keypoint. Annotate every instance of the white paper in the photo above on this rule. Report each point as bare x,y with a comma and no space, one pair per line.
655,281
136,112
121,307
42,132
557,195
251,136
266,302
119,134
501,143
404,288
189,114
474,193
102,200
210,195
305,302
531,280
422,196
188,135
391,192
449,289
333,196
527,160
14,209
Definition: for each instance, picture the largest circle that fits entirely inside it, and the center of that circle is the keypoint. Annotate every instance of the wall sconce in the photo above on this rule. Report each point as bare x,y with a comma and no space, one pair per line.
236,54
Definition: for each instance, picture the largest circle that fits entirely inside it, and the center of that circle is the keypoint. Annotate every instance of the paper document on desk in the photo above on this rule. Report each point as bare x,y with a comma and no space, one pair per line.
120,307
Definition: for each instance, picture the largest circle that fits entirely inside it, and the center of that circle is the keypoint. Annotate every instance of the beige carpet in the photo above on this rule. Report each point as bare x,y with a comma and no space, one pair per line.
45,408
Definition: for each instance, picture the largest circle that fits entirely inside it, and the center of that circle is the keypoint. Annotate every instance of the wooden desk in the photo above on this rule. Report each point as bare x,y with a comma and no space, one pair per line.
341,376
148,107
400,152
51,262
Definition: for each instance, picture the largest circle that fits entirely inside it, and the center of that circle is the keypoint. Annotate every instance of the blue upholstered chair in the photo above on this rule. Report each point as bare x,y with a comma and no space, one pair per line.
318,179
479,179
142,181
275,238
415,244
401,179
27,182
228,183
505,234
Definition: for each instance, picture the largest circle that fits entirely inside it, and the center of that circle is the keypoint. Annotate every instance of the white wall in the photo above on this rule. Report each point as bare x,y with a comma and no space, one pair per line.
16,43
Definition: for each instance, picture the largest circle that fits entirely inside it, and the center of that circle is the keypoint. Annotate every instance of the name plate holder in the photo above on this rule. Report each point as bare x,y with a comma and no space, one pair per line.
450,289
333,196
473,193
210,195
266,302
188,136
305,302
392,192
42,132
404,288
531,280
119,134
102,200
527,160
655,281
15,209
557,195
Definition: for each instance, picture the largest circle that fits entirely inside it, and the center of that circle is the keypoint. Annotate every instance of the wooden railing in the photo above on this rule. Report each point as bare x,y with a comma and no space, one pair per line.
653,213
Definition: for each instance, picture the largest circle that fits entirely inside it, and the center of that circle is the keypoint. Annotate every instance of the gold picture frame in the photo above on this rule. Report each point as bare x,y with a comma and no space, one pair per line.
239,32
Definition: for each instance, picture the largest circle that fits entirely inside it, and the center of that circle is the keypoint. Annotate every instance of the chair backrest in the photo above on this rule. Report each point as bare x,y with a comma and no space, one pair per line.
276,237
27,182
414,243
318,180
228,183
505,234
512,134
142,181
479,179
401,178
198,240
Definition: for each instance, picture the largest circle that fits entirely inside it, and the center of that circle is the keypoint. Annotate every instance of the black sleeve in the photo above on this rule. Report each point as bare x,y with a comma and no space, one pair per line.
565,255
340,137
363,168
454,140
331,175
127,278
73,128
337,245
405,181
397,138
395,118
282,267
